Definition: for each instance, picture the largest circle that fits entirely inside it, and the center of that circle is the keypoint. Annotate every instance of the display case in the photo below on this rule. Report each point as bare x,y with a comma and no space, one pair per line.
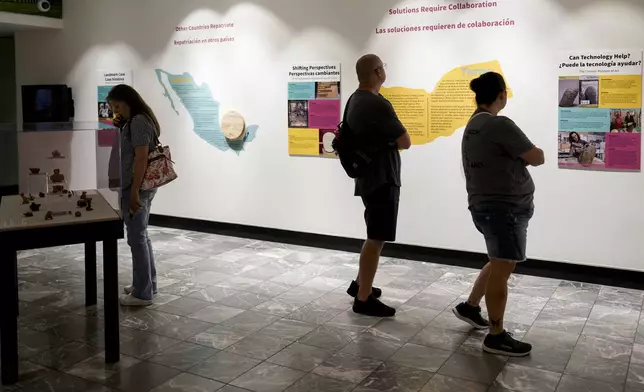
68,158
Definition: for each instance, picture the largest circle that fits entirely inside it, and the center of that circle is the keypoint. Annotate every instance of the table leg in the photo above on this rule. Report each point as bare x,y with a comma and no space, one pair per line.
111,301
90,274
9,315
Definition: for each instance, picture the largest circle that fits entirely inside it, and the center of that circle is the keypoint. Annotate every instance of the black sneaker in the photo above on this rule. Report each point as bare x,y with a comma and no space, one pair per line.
353,290
471,315
505,344
373,307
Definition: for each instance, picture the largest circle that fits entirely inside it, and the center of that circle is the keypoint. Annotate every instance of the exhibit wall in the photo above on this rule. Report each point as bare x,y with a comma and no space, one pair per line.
196,60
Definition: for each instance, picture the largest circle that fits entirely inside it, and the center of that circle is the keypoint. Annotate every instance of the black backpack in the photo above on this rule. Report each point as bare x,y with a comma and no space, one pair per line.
356,156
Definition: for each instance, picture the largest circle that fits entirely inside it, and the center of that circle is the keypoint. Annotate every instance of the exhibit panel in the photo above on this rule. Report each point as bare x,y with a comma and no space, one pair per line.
215,69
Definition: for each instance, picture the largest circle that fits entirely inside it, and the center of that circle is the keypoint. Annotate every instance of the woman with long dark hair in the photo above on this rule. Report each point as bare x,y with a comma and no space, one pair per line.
139,135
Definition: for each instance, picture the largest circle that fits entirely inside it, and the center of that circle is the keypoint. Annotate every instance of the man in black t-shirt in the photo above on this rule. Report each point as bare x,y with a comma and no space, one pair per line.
373,119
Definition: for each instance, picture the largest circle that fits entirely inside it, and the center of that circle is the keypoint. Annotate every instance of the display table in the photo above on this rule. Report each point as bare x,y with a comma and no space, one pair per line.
18,232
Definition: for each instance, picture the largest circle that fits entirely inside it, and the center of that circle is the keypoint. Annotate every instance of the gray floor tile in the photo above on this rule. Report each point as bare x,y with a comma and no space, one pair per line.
215,314
599,347
315,314
441,383
421,357
480,369
183,328
250,321
219,337
148,320
525,379
224,367
268,378
599,369
392,329
636,375
66,355
288,329
347,368
440,338
259,346
391,377
145,345
301,357
315,383
351,321
189,383
183,306
280,307
96,370
244,300
61,382
183,355
143,376
574,384
370,346
329,338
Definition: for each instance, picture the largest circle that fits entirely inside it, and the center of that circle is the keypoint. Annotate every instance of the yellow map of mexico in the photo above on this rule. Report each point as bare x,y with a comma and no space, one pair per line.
428,116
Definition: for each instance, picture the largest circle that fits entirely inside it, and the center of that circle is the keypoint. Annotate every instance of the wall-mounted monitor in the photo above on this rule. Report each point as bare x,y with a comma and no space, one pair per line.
47,104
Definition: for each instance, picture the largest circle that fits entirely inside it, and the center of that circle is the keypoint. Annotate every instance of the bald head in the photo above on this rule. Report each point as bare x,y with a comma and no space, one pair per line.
369,69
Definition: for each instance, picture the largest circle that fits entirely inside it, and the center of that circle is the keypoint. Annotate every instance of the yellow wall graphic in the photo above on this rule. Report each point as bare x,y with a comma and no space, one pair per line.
428,116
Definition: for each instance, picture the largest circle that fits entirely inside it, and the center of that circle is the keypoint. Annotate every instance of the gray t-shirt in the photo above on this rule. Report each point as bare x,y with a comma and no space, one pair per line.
138,132
373,118
494,170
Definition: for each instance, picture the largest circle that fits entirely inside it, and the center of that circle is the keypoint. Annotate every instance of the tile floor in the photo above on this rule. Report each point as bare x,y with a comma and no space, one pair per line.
241,315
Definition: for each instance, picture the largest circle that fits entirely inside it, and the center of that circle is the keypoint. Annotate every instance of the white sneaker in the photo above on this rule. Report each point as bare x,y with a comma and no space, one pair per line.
130,289
129,300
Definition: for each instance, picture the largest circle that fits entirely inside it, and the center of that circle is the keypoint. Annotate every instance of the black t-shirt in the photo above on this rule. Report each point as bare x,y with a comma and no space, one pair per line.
374,120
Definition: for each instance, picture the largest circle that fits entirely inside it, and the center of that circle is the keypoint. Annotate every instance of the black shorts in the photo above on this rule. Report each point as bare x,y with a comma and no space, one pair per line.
381,213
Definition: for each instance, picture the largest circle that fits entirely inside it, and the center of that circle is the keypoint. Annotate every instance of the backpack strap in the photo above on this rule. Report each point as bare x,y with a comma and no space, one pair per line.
346,109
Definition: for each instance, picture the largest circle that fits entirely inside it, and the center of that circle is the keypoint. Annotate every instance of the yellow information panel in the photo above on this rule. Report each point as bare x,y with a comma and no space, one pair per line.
620,91
428,116
304,141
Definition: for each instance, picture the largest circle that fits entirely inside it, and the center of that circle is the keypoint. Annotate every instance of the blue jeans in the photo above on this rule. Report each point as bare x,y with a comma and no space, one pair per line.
505,228
144,273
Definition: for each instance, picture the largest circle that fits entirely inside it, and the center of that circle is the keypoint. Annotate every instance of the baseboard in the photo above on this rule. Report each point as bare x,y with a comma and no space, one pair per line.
541,268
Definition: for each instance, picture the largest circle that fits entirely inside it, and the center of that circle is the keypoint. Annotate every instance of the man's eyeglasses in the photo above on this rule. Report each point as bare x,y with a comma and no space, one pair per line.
383,66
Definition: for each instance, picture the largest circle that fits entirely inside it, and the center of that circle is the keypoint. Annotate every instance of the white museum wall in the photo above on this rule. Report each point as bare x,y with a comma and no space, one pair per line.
590,218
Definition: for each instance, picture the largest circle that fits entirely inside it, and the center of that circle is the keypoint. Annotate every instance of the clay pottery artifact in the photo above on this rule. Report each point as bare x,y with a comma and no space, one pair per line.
34,170
78,214
81,203
41,195
34,207
49,216
57,177
28,214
